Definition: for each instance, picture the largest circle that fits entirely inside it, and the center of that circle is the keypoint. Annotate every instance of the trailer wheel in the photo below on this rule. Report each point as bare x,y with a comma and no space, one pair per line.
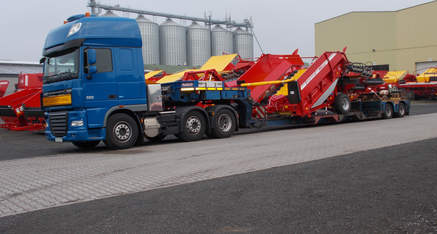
224,124
193,126
85,144
402,110
342,104
388,112
121,132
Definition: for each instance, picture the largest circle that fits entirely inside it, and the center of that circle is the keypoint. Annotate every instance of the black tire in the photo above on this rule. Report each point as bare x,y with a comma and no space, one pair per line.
85,144
342,104
224,124
158,138
193,126
121,131
388,112
402,110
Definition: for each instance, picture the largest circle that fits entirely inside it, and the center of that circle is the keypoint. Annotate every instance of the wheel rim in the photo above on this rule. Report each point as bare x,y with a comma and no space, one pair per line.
122,131
194,125
225,122
345,105
388,111
401,110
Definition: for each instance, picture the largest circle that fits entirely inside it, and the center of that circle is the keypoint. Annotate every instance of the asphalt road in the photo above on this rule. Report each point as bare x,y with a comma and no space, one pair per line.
387,190
15,145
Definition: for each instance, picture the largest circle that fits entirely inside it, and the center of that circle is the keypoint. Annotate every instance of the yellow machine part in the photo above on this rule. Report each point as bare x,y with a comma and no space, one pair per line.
219,63
152,74
174,77
284,89
394,76
425,77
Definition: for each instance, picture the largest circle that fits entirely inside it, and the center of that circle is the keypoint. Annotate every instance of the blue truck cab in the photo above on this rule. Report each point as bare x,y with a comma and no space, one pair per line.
94,89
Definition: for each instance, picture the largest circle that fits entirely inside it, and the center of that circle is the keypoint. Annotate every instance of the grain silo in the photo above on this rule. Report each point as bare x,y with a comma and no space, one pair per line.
222,41
198,44
243,43
173,43
150,37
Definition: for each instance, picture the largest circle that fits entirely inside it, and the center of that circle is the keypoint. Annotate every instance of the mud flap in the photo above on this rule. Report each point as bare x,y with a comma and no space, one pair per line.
294,93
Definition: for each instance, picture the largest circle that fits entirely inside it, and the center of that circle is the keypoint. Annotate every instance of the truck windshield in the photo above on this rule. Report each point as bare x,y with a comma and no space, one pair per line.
62,67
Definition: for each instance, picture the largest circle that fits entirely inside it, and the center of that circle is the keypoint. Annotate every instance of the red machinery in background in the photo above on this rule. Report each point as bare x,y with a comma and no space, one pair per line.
21,110
3,87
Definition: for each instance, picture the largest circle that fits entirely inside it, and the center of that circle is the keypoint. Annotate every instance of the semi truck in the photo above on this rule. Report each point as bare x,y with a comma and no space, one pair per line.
94,90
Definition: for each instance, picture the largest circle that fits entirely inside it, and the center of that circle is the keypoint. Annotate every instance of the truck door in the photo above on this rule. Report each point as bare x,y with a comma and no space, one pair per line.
100,89
130,77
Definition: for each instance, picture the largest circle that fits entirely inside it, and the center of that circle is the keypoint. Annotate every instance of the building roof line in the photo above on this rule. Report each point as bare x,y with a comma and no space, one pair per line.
10,62
395,11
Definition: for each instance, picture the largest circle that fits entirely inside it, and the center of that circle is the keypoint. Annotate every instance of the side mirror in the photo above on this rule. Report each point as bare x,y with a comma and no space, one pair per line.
91,70
91,56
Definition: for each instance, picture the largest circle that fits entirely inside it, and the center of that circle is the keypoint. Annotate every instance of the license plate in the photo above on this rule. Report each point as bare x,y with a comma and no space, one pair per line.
58,139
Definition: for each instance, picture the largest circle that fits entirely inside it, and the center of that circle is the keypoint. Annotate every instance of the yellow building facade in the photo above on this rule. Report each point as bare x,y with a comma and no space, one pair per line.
405,39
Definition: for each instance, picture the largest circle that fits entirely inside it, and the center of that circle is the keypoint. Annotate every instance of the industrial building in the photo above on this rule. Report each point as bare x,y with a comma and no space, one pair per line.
405,39
174,44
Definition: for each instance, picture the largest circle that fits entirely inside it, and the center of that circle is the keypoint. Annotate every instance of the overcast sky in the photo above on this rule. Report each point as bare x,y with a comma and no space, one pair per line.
280,25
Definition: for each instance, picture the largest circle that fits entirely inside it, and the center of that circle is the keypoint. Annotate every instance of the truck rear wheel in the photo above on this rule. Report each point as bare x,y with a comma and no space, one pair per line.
193,126
224,124
342,104
121,131
388,112
85,144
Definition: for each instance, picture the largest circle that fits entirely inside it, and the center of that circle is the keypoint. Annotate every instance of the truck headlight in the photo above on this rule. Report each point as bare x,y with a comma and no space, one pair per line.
77,123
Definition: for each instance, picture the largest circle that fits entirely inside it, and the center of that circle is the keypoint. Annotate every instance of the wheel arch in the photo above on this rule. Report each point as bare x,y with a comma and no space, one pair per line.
128,111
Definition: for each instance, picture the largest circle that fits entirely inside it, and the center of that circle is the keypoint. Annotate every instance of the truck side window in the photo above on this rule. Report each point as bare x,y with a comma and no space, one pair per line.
104,60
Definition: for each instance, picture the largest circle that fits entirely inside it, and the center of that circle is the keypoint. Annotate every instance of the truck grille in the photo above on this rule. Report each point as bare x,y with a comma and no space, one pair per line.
58,124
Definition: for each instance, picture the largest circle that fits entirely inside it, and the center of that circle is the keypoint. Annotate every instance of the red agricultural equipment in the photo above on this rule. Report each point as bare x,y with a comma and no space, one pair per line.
422,86
331,87
21,110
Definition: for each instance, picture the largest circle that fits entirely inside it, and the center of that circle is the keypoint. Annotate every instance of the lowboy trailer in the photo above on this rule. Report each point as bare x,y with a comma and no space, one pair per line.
94,90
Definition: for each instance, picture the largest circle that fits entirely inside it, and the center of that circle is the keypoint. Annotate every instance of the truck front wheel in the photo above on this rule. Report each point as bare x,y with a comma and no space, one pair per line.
121,131
193,126
86,144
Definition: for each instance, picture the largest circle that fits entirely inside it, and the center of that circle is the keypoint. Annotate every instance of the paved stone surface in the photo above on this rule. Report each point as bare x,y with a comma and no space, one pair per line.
43,182
385,190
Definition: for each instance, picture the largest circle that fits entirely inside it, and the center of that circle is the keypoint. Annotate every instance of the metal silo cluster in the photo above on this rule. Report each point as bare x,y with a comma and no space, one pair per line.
171,43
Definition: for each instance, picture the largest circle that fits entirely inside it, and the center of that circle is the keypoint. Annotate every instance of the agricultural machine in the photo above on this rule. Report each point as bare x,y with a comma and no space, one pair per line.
95,90
422,86
21,110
